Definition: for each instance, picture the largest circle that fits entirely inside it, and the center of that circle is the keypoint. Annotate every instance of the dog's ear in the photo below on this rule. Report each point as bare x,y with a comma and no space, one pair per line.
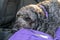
37,9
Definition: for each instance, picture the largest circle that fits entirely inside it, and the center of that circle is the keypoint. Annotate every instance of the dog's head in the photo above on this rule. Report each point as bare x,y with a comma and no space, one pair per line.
28,16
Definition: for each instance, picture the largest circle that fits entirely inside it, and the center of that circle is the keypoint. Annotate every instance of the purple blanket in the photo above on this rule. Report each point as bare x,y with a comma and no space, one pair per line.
28,34
57,34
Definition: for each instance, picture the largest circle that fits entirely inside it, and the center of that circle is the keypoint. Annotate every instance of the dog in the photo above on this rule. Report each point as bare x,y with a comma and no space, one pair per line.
33,17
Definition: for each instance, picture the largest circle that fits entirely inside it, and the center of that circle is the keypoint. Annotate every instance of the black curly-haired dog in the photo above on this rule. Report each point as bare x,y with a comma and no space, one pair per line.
33,16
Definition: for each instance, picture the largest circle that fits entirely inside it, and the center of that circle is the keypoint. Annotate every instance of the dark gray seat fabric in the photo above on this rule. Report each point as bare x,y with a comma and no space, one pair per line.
5,34
8,9
2,8
25,2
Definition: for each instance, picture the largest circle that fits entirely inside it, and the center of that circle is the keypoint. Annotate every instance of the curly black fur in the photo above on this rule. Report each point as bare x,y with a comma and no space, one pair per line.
27,17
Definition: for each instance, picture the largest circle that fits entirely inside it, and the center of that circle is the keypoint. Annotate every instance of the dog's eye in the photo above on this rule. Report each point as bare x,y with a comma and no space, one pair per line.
18,15
27,19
